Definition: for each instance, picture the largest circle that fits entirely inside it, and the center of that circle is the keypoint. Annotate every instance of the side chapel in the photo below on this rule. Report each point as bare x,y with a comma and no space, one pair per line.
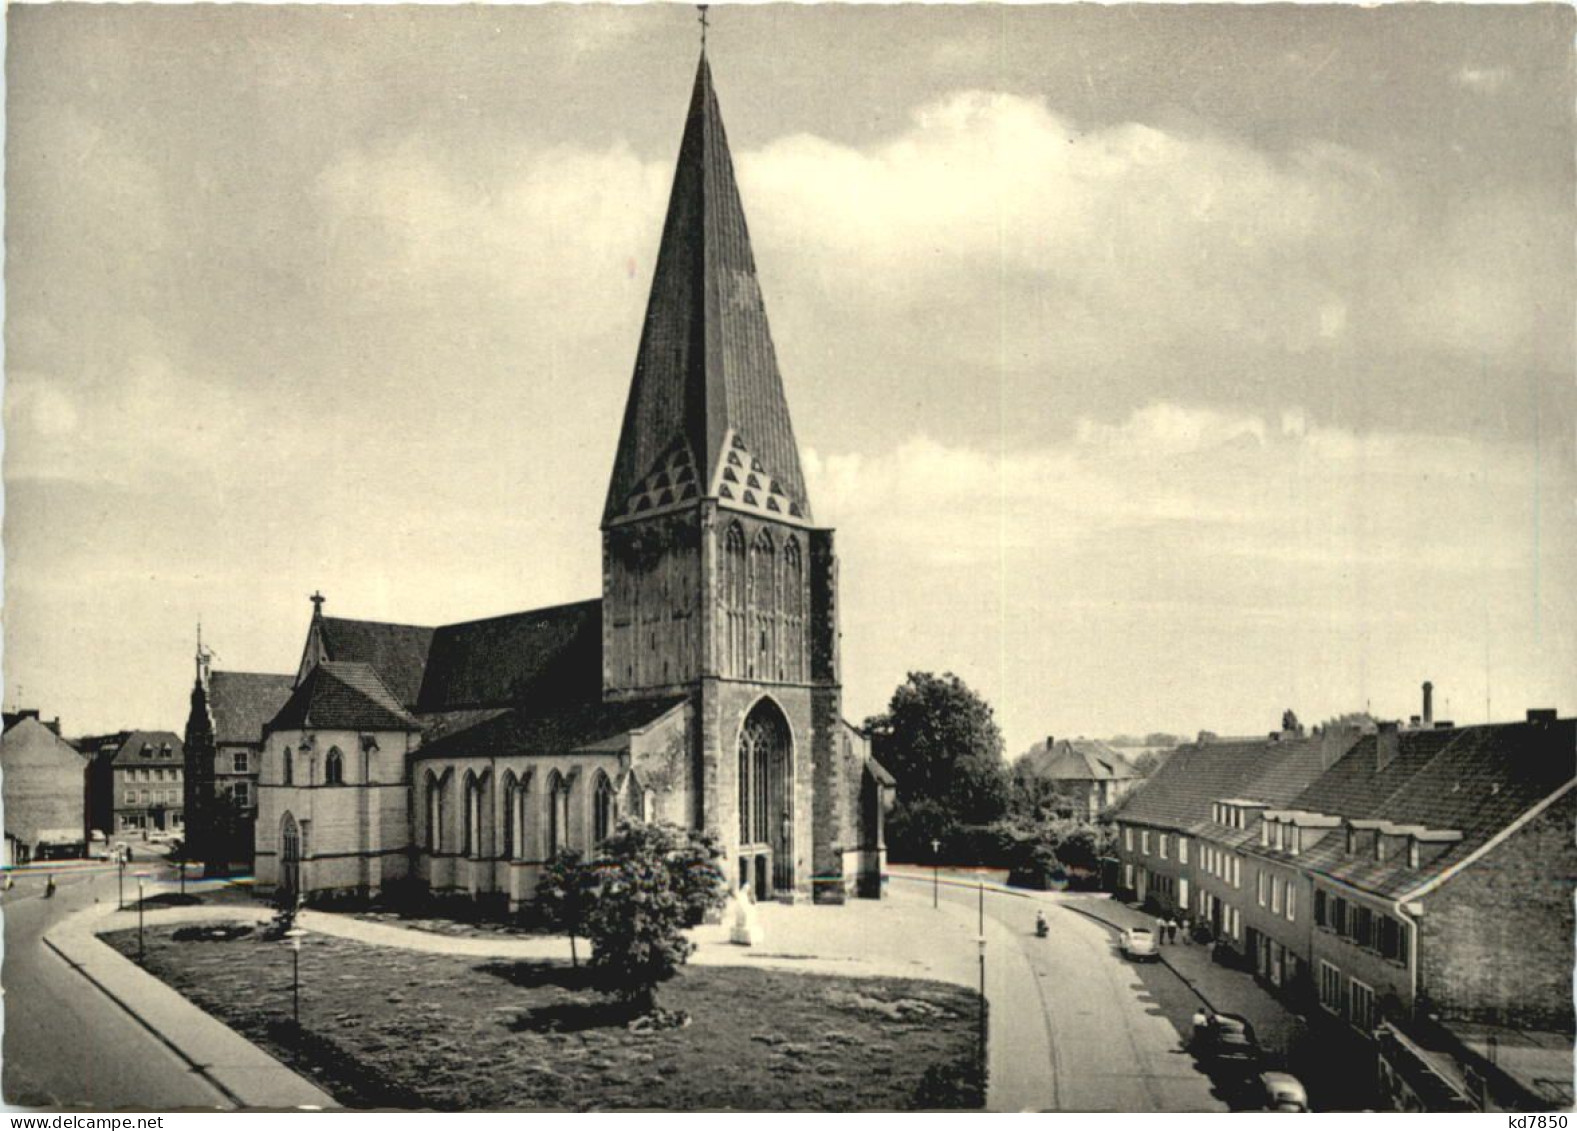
703,689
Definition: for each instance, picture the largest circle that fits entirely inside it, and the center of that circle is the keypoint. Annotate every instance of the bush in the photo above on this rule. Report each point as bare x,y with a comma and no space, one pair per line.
649,882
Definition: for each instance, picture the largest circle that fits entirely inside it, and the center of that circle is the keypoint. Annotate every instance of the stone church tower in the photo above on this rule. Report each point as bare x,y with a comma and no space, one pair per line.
717,584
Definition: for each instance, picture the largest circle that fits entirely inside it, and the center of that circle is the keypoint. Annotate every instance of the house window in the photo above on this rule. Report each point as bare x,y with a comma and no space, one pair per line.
1362,1013
242,792
241,762
1339,915
131,797
1275,895
1363,926
334,767
1163,839
1292,903
1259,889
1128,876
1319,907
1237,871
1128,838
1330,988
1182,891
1144,841
1352,839
1182,850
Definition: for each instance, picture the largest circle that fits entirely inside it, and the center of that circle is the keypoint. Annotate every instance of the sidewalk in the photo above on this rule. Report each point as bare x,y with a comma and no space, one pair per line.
239,1071
1220,989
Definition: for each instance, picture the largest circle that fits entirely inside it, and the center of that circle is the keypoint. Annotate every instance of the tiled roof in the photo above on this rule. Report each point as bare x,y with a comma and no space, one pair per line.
553,653
542,655
398,652
241,703
706,373
1179,793
1362,785
1080,759
342,696
146,746
1477,782
555,728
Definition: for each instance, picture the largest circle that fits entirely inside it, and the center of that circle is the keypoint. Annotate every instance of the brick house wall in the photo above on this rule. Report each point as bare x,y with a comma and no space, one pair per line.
1496,941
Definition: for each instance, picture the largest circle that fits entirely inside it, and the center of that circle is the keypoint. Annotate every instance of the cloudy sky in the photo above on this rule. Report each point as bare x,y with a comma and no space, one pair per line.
1161,368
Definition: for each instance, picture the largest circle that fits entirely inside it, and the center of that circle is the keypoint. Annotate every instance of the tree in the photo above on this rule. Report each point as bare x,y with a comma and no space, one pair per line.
648,883
942,743
563,895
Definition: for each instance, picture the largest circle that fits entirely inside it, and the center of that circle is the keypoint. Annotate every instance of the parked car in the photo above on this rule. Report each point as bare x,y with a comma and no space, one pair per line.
159,836
1282,1091
1138,944
1227,1041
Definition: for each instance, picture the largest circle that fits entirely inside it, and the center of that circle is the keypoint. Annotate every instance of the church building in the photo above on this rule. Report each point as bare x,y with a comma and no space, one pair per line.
703,688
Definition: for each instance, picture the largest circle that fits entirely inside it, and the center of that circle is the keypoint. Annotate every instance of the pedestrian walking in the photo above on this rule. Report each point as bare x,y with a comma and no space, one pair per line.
1187,926
1160,930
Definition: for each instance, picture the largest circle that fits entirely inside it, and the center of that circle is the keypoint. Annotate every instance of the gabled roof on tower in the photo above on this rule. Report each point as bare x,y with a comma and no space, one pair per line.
706,382
337,695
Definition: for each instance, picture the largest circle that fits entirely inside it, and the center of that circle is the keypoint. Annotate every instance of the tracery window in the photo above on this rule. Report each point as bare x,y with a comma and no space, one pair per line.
763,605
602,809
334,767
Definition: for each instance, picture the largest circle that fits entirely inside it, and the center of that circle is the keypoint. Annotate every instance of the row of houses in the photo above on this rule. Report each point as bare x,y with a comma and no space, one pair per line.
58,792
1412,887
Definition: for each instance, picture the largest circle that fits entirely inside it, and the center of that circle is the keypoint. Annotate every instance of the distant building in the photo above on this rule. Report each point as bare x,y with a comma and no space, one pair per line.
142,774
1412,886
1082,776
224,753
45,784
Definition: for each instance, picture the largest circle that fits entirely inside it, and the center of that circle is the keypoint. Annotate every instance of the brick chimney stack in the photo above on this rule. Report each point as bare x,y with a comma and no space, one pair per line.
1429,704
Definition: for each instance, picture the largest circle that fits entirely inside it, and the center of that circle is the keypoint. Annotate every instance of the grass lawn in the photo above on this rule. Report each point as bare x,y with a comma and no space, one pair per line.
382,1027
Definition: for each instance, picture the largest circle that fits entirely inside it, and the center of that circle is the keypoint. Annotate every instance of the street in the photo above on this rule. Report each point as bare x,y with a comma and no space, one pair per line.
1115,1031
66,1043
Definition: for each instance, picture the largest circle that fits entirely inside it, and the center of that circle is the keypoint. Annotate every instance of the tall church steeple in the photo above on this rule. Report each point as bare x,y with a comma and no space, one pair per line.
706,416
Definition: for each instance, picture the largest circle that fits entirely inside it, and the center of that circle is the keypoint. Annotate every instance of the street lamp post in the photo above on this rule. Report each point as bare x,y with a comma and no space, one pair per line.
139,920
294,935
120,880
936,870
982,945
982,888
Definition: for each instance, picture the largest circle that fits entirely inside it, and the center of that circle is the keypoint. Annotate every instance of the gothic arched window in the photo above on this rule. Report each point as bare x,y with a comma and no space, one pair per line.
471,844
602,809
558,813
763,605
736,603
793,654
287,766
434,832
765,797
334,767
511,800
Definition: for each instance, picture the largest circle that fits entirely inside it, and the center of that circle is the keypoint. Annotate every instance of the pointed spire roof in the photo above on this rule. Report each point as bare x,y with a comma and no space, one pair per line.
706,416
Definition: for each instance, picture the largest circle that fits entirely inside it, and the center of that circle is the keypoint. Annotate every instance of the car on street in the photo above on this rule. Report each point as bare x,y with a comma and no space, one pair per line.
1138,945
1282,1091
1226,1042
159,836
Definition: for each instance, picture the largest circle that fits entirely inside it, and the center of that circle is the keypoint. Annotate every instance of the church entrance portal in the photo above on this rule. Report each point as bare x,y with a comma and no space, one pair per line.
766,811
289,859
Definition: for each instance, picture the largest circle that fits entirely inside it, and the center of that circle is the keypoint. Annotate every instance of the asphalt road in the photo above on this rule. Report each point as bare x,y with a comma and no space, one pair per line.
66,1043
1116,1031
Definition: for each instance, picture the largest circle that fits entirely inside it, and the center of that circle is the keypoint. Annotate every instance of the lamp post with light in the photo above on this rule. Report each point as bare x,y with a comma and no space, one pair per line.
139,920
936,871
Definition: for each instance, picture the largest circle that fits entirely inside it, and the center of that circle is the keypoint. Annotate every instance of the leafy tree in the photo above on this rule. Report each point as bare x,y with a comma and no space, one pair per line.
648,883
941,741
563,895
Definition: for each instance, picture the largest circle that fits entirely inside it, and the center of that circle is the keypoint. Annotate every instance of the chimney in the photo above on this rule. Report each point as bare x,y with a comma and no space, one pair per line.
1051,741
1429,704
1387,745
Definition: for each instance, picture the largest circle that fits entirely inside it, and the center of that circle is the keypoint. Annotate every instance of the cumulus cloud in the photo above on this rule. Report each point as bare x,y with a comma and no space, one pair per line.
1207,540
